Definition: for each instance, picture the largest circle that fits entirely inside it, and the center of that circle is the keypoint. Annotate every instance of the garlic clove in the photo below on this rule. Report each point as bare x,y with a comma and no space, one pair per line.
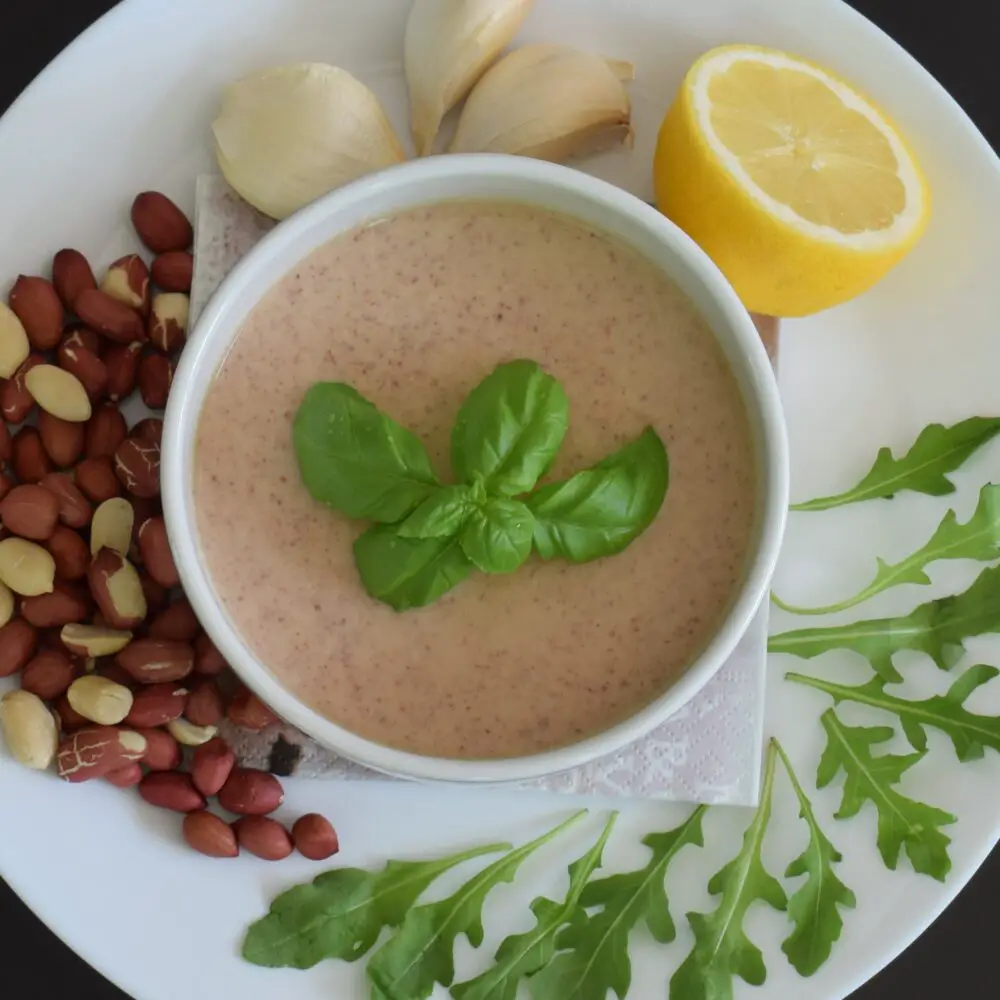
551,102
449,45
286,136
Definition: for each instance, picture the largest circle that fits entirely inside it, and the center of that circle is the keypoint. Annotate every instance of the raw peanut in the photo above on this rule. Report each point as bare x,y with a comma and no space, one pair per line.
30,460
171,790
6,483
63,441
111,670
156,555
6,604
14,346
31,512
29,729
152,661
58,392
160,224
93,641
69,550
26,567
109,317
189,735
150,429
123,364
67,604
157,705
111,527
266,838
71,275
97,751
49,675
209,835
177,622
78,335
36,304
68,716
74,508
100,700
117,589
137,465
315,837
168,322
106,430
205,706
125,777
156,373
247,711
86,366
18,642
173,271
208,661
127,280
6,442
211,766
157,596
16,403
163,752
97,480
248,792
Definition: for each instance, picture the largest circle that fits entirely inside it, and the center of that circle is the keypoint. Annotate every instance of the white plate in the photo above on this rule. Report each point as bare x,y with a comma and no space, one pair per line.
110,876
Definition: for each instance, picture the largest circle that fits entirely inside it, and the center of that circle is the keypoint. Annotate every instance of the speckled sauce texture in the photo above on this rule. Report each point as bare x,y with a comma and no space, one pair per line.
414,311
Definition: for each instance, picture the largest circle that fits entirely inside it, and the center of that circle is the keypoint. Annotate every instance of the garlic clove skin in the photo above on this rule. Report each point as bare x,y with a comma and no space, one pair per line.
551,102
288,135
449,45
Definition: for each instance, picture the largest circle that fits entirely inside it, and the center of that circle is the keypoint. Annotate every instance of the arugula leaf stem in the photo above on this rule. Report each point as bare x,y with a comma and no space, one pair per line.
722,950
813,909
978,538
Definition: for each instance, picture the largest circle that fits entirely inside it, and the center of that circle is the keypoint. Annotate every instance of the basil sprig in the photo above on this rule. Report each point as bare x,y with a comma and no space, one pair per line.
428,537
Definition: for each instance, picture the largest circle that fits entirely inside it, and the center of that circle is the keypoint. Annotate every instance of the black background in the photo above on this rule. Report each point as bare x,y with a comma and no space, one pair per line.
957,956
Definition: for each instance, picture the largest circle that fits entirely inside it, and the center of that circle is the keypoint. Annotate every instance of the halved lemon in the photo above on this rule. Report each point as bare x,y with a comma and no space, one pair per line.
795,184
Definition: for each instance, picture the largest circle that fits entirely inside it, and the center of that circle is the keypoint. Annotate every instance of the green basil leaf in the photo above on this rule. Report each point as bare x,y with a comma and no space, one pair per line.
602,510
510,428
408,572
497,536
440,515
356,459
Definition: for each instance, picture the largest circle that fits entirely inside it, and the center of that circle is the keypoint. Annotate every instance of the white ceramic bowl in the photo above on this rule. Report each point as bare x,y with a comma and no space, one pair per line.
440,178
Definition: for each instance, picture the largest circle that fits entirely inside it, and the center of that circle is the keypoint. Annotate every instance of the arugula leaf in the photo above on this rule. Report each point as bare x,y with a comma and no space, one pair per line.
978,538
814,906
937,628
510,428
341,913
902,823
357,460
523,954
497,536
602,510
594,954
936,451
969,733
440,515
722,949
408,572
421,952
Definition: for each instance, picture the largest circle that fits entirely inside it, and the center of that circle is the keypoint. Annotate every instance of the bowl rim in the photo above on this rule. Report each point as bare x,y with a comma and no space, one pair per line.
260,265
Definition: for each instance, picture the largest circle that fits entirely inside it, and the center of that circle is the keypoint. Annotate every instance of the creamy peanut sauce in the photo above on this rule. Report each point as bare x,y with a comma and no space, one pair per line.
414,311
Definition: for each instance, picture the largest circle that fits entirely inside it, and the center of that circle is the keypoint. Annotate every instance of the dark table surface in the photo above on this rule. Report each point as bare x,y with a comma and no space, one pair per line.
956,957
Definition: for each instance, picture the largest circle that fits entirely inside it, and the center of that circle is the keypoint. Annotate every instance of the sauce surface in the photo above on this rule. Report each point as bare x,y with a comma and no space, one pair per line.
414,311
